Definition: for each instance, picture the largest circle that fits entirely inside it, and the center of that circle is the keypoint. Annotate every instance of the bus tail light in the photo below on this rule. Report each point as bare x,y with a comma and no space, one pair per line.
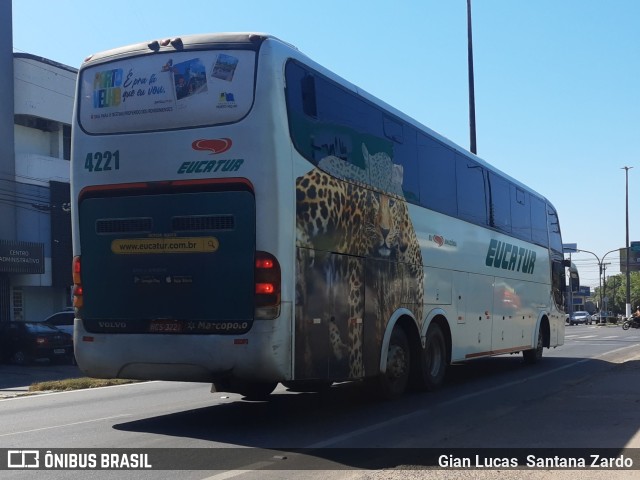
267,286
77,283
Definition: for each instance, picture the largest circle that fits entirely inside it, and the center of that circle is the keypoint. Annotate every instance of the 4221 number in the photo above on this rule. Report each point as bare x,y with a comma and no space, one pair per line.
102,161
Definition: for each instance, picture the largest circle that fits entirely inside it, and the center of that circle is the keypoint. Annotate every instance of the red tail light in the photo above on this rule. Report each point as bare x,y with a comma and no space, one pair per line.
265,288
267,280
77,283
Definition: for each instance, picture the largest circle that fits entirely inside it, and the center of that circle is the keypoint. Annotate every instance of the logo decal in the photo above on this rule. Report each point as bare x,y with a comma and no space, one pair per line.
510,257
441,241
215,146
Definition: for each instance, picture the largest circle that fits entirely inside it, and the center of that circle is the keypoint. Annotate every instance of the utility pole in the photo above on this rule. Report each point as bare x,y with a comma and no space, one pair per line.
472,95
626,245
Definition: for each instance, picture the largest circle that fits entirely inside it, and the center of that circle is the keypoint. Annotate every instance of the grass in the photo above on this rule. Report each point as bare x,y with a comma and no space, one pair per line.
76,384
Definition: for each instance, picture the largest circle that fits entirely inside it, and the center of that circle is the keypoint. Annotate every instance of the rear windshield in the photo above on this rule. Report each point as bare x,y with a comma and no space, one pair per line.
165,91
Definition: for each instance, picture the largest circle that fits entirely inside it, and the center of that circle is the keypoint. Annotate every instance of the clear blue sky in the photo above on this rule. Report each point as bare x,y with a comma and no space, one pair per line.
557,81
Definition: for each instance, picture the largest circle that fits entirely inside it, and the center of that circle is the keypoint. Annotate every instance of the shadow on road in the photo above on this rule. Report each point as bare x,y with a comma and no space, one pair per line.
562,403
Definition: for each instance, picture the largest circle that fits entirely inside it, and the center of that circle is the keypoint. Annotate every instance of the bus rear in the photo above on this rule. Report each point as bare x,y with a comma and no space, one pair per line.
175,278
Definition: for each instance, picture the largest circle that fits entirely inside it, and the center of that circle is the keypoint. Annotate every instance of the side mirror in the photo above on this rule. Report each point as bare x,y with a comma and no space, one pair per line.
574,277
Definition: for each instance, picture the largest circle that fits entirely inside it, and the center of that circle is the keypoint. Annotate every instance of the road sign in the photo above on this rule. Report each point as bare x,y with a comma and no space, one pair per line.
570,247
634,260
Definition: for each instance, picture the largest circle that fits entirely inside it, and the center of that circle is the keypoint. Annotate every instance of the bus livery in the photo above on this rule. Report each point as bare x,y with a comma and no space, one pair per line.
243,216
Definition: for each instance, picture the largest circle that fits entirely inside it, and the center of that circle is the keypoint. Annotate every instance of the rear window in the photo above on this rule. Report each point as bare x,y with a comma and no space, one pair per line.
165,91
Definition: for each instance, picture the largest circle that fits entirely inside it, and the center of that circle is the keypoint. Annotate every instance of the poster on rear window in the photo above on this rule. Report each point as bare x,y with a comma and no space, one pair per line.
170,90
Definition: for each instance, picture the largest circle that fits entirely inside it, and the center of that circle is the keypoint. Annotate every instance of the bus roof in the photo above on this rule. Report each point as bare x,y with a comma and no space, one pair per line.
253,40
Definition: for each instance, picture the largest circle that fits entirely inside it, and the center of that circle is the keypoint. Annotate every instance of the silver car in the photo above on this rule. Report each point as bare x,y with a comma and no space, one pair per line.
580,317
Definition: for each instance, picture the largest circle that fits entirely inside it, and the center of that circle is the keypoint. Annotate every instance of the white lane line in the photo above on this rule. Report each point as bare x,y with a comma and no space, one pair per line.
30,395
66,425
463,398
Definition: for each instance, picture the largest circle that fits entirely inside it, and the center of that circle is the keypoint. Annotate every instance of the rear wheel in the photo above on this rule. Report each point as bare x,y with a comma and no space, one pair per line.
433,358
626,324
257,390
393,382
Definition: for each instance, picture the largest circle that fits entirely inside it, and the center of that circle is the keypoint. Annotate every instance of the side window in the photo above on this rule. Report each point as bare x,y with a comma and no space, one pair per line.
558,281
539,222
520,213
500,198
404,161
472,203
348,136
437,173
555,238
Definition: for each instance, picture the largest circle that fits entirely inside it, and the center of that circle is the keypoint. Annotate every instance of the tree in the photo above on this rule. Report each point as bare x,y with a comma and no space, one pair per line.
615,289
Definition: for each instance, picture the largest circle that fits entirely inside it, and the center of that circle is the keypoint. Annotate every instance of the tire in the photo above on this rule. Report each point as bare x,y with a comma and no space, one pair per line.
535,354
626,324
393,382
20,358
256,390
433,360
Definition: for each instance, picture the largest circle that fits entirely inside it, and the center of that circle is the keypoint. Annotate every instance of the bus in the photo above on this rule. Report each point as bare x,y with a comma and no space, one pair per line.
244,217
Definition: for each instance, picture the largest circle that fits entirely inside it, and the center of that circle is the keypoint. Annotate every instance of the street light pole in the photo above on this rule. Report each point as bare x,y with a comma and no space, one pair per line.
600,270
626,245
472,97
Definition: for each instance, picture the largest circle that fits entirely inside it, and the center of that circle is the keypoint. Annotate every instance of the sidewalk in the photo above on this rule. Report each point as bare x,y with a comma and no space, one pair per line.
16,379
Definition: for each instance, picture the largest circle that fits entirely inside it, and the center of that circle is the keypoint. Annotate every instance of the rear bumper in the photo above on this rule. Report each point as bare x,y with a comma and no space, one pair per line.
262,354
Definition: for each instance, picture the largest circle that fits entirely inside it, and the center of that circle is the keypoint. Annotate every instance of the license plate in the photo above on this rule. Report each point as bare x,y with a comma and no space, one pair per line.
165,326
59,351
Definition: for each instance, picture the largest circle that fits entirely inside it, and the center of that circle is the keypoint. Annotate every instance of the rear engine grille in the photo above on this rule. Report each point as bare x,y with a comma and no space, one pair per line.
124,225
194,223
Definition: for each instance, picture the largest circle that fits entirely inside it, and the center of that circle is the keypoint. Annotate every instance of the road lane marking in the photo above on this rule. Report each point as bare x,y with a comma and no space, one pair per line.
25,395
66,425
463,398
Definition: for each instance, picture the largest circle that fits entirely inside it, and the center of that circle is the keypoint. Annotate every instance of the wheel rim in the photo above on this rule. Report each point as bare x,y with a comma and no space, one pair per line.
397,365
19,358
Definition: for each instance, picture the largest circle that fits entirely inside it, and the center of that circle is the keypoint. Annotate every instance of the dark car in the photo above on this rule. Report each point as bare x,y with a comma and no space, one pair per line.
62,320
23,342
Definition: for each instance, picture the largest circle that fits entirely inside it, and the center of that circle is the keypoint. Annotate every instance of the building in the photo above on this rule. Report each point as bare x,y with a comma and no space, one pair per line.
36,107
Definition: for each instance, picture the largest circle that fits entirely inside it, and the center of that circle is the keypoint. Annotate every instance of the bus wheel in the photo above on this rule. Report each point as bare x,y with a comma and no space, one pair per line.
256,390
393,382
434,358
535,354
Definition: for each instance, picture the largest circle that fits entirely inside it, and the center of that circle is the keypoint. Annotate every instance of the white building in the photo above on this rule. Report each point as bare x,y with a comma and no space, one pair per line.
43,107
35,225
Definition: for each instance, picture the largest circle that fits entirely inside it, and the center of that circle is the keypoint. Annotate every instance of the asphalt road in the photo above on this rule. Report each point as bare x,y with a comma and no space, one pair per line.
585,394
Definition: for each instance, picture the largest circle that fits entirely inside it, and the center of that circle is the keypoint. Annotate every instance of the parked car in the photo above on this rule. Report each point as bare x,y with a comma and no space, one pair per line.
23,342
62,320
580,317
603,317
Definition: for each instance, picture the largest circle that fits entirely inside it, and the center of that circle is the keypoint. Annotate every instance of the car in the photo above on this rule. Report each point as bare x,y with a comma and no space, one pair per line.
23,342
602,317
580,317
62,320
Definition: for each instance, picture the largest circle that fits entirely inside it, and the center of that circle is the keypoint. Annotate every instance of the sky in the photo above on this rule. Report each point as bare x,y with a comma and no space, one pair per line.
557,82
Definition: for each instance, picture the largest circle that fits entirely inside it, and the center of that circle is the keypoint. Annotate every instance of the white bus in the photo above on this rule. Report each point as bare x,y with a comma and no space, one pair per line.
243,216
